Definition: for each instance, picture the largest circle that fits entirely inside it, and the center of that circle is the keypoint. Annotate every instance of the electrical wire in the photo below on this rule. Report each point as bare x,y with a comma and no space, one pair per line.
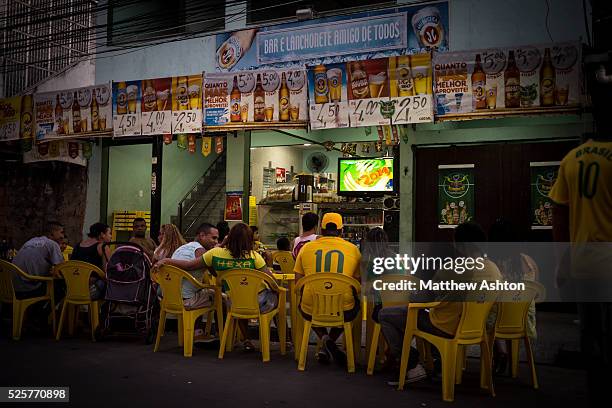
586,23
547,21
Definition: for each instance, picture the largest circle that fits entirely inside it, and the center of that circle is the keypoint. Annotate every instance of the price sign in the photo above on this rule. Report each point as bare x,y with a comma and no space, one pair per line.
246,82
187,121
329,115
126,125
157,122
270,80
296,80
369,112
412,109
9,131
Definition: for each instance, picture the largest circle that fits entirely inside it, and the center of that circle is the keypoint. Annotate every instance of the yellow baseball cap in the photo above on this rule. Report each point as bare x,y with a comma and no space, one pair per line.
332,218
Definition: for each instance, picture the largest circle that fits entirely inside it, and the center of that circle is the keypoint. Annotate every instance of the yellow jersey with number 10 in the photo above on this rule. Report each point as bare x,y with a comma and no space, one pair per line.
584,184
328,254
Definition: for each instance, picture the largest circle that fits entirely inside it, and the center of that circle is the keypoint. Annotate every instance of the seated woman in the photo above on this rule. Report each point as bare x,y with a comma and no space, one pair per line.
282,244
235,254
90,250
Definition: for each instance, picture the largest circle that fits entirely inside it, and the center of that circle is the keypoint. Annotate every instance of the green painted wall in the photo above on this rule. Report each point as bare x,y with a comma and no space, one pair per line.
181,170
130,173
129,179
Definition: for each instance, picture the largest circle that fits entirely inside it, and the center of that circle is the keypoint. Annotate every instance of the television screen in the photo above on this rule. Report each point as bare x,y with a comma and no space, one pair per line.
367,176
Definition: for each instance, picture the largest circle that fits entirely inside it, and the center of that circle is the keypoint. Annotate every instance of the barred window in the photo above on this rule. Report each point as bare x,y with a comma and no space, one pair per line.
42,38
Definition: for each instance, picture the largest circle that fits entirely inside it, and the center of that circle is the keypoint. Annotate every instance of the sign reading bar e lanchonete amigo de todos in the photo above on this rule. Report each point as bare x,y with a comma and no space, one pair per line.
507,78
367,35
72,112
261,96
385,91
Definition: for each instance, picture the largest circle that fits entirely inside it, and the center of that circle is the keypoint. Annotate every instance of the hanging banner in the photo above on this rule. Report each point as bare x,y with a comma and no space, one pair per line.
456,188
218,144
384,91
187,104
255,98
127,98
10,115
233,206
508,79
59,150
156,106
331,40
206,146
543,177
73,112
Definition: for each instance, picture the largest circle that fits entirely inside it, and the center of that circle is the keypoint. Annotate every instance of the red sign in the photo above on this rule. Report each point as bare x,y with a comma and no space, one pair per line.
233,206
281,175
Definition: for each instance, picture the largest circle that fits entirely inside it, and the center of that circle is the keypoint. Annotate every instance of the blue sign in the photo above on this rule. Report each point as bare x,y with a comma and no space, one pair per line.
354,36
332,40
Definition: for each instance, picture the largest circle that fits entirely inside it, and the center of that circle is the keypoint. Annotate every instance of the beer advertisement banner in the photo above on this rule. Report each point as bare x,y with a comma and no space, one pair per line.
384,91
156,106
73,112
58,150
543,177
187,104
233,206
10,116
456,187
332,40
255,97
507,78
127,111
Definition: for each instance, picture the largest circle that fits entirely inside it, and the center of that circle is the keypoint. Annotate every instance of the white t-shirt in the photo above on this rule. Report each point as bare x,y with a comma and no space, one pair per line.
187,253
300,239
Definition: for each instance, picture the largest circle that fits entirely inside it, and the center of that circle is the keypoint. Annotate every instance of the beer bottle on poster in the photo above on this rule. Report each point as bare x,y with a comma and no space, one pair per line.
121,98
283,100
149,97
479,79
95,112
182,95
26,130
259,101
76,114
235,102
512,83
59,116
360,87
320,84
547,81
405,84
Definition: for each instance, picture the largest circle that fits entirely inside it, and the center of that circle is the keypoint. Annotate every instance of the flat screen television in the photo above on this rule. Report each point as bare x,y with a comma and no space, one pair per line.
370,176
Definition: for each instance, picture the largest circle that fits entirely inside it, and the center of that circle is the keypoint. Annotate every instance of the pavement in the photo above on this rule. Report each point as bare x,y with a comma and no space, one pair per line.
123,371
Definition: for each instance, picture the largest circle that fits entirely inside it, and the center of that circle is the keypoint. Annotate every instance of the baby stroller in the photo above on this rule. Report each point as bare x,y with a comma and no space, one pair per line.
129,291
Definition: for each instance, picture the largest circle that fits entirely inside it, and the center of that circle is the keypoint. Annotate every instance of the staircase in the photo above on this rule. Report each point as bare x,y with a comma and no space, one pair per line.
205,201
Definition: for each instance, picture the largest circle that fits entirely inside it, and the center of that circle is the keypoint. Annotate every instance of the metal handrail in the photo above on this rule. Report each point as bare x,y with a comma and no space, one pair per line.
203,209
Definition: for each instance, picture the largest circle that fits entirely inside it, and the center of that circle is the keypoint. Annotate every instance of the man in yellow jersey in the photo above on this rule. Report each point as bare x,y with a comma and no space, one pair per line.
330,253
582,215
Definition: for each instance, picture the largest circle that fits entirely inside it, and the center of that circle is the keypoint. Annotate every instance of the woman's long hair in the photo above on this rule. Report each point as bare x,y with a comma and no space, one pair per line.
240,241
171,240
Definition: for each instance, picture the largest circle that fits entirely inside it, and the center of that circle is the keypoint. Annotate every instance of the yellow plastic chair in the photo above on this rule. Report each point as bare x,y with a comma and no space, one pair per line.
244,286
170,279
328,291
7,295
471,330
389,299
77,274
511,325
285,260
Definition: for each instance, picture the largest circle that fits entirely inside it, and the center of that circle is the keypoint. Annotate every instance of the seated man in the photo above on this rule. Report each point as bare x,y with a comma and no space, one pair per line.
339,256
139,229
207,237
37,257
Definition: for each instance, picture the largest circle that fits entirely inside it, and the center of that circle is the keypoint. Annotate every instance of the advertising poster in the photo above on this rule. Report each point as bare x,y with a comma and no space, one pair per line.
384,91
127,97
543,177
372,34
281,175
187,104
72,112
233,206
156,106
59,150
455,194
507,78
10,109
248,98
